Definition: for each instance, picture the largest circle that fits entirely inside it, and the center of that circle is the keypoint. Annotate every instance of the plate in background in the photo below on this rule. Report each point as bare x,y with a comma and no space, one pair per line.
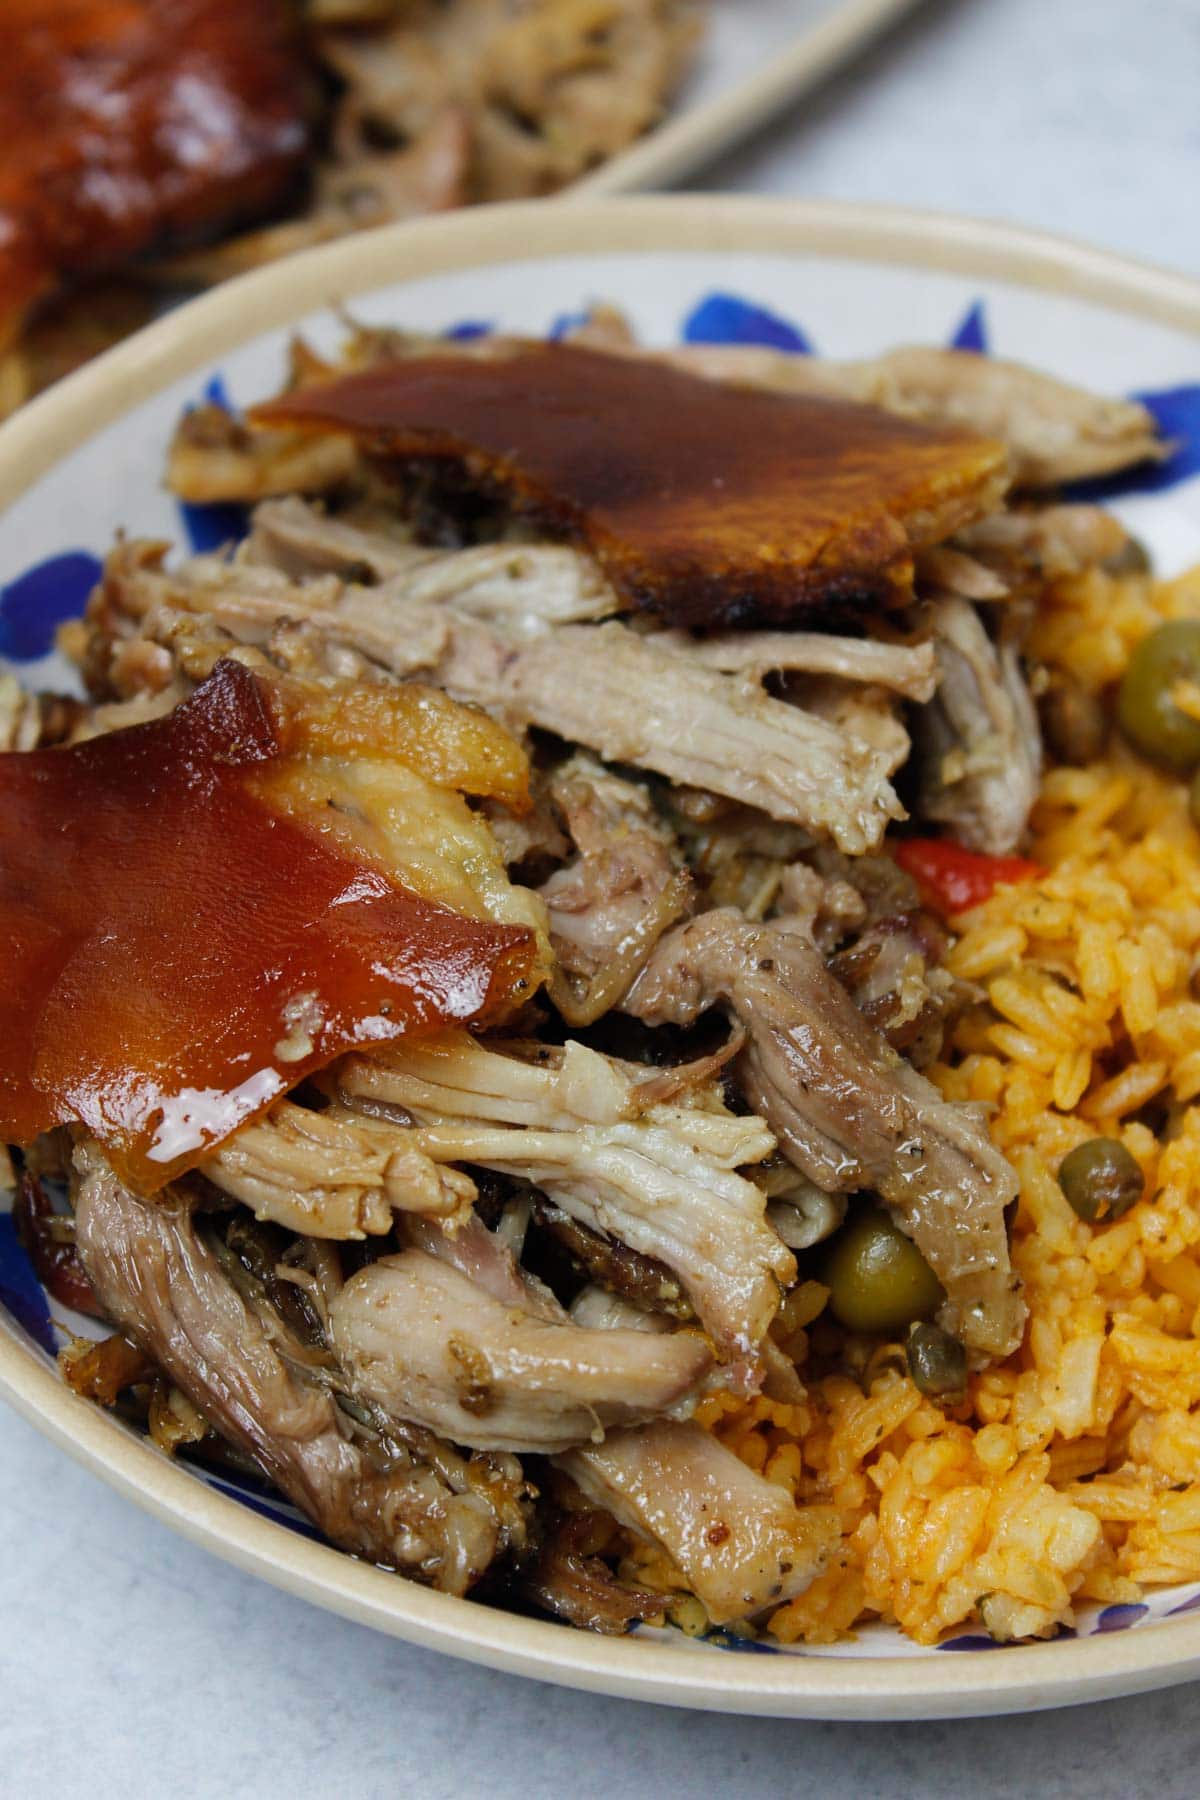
758,57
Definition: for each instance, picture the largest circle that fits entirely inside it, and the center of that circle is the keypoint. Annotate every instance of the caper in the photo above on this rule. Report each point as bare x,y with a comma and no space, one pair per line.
937,1362
877,1279
1147,705
1072,723
1132,558
1101,1179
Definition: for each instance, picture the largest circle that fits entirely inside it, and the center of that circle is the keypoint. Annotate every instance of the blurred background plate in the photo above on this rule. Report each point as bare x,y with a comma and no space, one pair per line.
757,58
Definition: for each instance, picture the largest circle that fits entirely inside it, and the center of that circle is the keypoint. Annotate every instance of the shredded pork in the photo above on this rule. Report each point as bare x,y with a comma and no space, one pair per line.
330,1176
608,907
848,1110
604,686
662,1179
155,1276
419,1338
559,1232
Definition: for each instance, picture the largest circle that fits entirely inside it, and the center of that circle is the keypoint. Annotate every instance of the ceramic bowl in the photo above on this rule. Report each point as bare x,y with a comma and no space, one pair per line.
86,460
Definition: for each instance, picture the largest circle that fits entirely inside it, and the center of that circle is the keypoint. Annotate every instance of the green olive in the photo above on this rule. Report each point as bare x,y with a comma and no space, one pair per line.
1101,1179
937,1362
1146,708
877,1279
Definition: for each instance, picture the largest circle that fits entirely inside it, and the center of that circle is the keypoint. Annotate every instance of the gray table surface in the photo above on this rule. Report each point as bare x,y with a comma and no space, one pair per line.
132,1664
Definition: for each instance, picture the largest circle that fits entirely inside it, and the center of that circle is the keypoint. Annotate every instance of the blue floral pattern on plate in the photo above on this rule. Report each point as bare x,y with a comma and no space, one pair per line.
971,331
730,319
42,598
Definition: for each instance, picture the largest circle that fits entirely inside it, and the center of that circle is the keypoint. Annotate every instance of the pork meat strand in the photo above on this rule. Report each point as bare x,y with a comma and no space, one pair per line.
608,907
979,743
419,1338
333,1177
907,669
523,586
740,1541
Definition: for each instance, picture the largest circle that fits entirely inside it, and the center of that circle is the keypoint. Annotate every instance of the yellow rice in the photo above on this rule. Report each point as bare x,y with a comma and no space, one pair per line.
1072,1473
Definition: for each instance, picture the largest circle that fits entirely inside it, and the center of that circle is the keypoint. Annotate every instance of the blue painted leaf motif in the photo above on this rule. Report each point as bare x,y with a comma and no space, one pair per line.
209,527
21,1293
728,319
34,605
971,331
467,329
1120,1618
264,1502
1185,1606
217,394
566,322
729,1640
972,1641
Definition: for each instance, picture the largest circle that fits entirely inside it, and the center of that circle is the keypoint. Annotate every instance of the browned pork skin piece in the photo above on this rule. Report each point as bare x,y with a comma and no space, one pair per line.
848,1110
156,1278
423,1341
134,122
740,1541
709,503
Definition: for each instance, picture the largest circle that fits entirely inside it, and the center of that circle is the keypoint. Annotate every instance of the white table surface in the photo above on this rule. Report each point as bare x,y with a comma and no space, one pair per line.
132,1664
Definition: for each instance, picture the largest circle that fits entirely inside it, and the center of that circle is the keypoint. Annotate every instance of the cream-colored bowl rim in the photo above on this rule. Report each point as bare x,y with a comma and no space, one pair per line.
875,1687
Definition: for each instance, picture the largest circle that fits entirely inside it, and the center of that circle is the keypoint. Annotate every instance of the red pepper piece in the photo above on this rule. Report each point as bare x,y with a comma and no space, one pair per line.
953,879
